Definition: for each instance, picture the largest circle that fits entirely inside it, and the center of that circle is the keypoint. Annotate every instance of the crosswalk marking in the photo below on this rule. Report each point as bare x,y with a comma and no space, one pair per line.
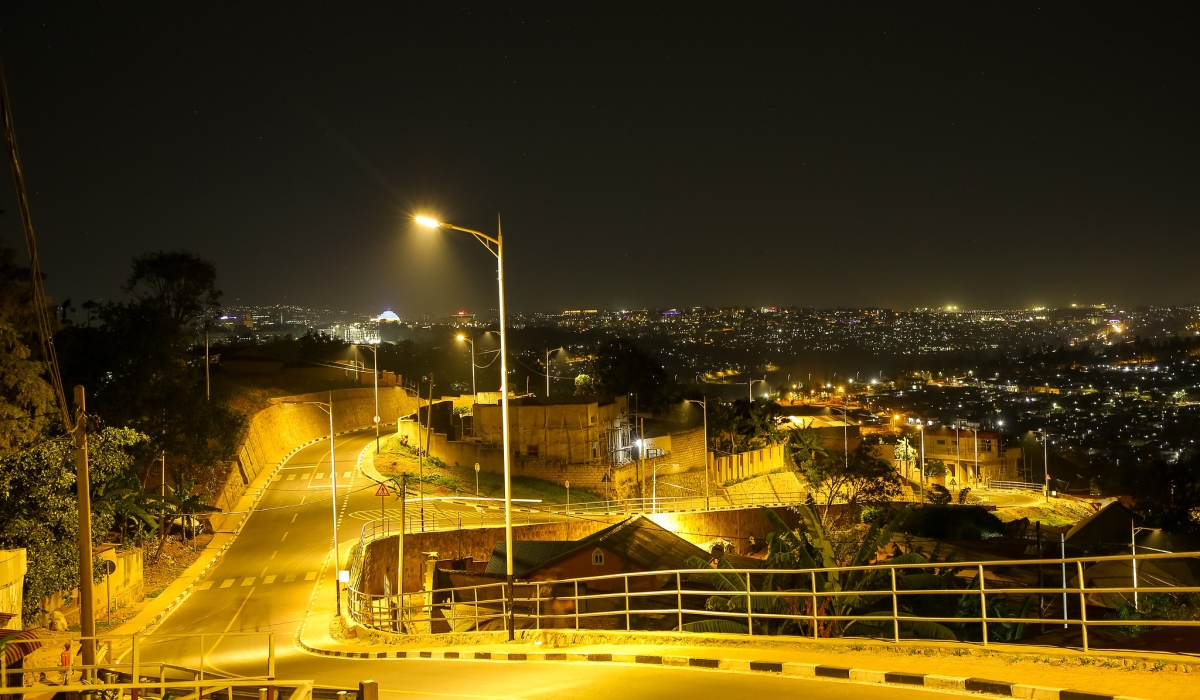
320,475
249,580
289,578
277,477
227,582
269,579
310,576
204,586
291,476
345,475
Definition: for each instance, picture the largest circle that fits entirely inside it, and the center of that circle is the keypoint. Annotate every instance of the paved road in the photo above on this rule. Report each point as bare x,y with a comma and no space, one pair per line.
265,581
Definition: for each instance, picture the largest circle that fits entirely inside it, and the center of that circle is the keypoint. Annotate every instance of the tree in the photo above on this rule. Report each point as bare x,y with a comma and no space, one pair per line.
38,508
743,425
180,284
621,367
27,404
804,446
862,479
583,385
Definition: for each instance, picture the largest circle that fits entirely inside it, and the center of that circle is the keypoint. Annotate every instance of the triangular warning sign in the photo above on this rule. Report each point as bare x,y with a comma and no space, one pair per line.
382,491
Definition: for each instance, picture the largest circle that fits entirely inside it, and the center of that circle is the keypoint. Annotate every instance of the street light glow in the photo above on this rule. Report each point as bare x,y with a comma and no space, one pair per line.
426,221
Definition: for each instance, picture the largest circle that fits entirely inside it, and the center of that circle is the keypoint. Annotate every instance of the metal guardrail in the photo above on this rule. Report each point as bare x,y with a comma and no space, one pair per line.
233,688
659,600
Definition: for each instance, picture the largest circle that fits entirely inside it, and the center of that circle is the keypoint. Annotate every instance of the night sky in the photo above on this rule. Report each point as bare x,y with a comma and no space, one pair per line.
642,154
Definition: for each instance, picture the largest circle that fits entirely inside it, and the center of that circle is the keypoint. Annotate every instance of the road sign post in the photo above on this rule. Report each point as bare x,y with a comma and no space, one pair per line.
382,492
477,478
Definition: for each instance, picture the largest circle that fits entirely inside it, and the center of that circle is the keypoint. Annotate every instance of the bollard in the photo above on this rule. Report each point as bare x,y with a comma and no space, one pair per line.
262,694
343,695
368,690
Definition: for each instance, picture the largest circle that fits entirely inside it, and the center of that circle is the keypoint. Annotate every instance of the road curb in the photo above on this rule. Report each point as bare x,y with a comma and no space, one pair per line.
981,686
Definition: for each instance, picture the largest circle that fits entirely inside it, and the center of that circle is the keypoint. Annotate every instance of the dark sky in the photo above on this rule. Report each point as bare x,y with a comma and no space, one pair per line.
661,154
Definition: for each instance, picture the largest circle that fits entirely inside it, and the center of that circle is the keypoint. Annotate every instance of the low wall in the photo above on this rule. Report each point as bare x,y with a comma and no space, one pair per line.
747,464
12,585
277,430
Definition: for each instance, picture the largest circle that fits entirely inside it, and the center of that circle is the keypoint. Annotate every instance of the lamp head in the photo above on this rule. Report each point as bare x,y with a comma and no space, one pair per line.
426,221
460,336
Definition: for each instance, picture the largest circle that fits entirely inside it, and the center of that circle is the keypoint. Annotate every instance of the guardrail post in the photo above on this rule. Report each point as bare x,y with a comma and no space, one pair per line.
476,589
576,605
1082,606
202,657
678,597
813,574
262,694
271,656
749,607
895,609
537,591
368,690
504,592
983,605
626,603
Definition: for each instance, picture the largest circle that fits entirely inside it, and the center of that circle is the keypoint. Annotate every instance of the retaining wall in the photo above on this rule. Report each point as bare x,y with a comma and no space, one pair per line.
277,430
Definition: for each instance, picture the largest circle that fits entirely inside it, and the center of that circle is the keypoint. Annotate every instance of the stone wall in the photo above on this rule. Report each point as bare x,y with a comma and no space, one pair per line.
748,464
687,448
12,585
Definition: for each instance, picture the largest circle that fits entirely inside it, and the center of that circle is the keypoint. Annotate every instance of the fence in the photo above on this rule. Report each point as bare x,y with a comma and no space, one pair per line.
1014,486
889,601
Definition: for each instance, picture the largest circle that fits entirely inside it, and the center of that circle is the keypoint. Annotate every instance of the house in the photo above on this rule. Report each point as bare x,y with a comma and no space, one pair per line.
632,545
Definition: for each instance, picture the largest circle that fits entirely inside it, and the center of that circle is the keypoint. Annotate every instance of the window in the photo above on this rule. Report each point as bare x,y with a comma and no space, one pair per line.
941,442
598,557
532,451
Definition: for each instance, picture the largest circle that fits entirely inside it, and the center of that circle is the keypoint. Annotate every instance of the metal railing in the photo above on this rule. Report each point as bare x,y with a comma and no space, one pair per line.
1014,486
121,655
992,604
230,689
460,609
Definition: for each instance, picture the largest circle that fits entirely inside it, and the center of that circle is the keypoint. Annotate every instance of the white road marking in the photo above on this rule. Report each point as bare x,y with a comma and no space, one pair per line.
248,581
277,477
204,586
274,553
289,578
310,576
301,502
320,475
227,583
264,571
284,537
294,516
269,579
291,476
345,475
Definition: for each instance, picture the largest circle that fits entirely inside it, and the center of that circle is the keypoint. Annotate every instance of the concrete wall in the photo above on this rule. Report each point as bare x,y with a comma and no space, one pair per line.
281,427
12,584
380,558
125,584
748,464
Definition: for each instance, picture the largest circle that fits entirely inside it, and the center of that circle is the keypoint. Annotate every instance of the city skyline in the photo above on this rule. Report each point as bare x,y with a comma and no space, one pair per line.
990,157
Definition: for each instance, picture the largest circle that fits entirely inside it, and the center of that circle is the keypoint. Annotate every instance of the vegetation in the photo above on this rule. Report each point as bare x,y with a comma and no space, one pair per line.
859,479
811,547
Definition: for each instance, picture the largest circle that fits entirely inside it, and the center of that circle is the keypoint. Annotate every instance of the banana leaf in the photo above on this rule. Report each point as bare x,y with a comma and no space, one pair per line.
714,627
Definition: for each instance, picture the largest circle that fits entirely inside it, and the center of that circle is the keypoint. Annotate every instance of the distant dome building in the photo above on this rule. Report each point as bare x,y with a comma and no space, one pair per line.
389,327
388,315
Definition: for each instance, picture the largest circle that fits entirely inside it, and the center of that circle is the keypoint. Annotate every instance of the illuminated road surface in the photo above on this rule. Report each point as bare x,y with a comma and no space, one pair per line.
265,580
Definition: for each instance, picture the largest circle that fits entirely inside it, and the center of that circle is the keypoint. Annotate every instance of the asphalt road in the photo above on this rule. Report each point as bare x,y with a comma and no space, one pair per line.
265,581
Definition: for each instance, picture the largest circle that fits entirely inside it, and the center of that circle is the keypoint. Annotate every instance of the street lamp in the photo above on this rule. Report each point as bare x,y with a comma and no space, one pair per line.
1045,462
498,252
328,408
750,386
375,368
703,403
921,432
474,394
548,368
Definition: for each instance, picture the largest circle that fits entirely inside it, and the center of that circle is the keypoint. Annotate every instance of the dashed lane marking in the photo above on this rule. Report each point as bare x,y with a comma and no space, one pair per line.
284,537
227,582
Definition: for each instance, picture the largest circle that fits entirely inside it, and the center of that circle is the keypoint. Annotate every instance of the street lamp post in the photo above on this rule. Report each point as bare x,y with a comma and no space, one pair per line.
921,432
704,405
548,369
1045,463
498,252
462,337
375,368
328,408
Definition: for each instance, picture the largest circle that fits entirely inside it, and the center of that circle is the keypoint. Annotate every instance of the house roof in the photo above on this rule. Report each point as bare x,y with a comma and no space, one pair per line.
1111,526
640,541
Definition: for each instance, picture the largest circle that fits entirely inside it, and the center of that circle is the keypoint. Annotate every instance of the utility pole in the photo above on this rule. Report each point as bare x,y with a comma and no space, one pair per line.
400,566
207,383
87,615
428,445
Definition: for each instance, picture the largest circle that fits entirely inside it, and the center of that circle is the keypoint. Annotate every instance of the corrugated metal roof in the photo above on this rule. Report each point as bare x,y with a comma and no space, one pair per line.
640,541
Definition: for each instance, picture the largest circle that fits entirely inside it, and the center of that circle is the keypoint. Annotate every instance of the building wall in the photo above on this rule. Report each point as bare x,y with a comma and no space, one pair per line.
12,584
571,432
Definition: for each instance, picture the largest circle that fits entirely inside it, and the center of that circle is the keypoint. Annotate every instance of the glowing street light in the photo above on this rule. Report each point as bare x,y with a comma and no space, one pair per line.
488,242
474,394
